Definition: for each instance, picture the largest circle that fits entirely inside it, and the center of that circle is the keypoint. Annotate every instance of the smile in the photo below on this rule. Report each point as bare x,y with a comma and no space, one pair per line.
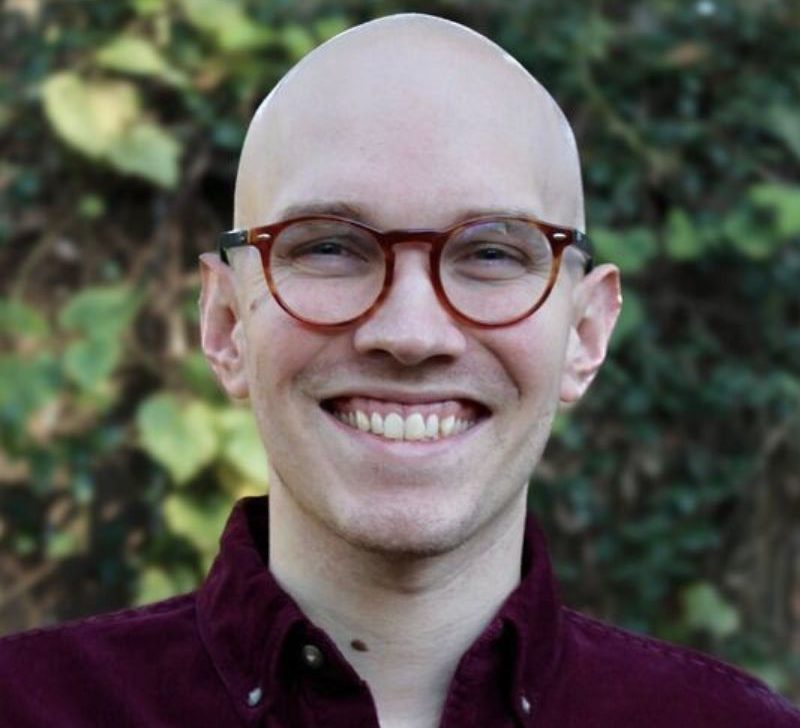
402,421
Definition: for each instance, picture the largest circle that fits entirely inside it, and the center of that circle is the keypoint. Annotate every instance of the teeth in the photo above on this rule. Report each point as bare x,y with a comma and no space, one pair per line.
447,425
393,426
413,428
432,426
362,421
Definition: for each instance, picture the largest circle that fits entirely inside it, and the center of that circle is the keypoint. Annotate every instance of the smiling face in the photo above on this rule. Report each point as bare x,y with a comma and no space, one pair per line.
409,432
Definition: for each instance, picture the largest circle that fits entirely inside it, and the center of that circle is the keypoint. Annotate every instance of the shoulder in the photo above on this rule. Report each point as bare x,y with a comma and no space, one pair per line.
644,681
72,669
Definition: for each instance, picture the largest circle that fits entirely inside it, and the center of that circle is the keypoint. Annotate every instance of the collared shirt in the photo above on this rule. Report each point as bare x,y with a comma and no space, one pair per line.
240,652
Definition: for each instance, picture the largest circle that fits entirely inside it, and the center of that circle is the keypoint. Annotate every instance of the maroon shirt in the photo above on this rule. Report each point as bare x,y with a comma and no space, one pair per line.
239,652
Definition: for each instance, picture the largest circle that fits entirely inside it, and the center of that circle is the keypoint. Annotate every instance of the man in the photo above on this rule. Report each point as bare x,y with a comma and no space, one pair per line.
405,301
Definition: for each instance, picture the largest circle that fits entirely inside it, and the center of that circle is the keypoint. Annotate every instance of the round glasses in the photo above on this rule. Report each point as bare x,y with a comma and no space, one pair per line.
329,271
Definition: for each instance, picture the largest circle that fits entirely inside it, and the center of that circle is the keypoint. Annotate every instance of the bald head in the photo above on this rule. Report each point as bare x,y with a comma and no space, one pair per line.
418,121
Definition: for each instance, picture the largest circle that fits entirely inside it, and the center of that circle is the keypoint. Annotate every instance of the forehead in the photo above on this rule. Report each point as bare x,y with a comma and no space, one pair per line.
409,124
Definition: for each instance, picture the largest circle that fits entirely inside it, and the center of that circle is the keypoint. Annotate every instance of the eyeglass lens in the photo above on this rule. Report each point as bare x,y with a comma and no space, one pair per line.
328,272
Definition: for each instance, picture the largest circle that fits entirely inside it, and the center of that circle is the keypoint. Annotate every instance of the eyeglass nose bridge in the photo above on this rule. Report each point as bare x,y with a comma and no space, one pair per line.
389,240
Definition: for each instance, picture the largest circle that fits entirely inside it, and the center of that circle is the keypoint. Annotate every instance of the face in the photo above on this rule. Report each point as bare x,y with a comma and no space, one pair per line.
406,141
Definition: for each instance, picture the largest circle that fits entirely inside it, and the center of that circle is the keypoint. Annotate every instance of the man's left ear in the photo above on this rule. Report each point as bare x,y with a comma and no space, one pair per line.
597,301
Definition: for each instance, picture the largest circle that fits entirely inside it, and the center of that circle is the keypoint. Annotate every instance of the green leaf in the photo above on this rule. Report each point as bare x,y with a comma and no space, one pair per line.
227,23
17,318
749,237
297,41
156,583
784,122
241,444
181,437
631,318
131,54
89,362
682,241
147,150
26,385
101,311
630,249
705,609
61,544
784,203
89,115
198,519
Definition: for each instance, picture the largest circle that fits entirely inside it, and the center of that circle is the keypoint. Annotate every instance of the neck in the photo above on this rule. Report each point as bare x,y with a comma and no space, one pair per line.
402,622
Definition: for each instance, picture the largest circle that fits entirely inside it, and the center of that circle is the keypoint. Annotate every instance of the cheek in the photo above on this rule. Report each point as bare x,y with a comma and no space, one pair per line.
533,353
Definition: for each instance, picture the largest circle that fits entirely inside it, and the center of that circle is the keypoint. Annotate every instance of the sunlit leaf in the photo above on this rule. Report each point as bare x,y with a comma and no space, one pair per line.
149,151
784,202
100,310
198,519
297,41
89,115
180,436
156,583
17,318
707,610
132,54
88,362
227,23
241,444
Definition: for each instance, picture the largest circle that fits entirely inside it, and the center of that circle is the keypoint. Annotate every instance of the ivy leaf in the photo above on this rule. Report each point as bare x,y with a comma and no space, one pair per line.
682,241
181,437
131,54
19,319
631,318
147,150
784,202
630,249
227,23
89,362
198,519
101,311
705,609
241,444
156,583
89,115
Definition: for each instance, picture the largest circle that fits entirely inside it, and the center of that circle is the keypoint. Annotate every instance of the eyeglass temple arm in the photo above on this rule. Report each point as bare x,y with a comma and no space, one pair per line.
231,239
582,242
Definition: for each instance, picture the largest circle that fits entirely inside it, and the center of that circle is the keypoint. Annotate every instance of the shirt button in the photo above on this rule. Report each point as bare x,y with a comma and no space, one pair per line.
312,656
525,705
254,697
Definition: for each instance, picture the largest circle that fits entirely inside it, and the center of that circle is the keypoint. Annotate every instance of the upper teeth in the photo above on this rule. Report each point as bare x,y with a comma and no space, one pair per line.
414,427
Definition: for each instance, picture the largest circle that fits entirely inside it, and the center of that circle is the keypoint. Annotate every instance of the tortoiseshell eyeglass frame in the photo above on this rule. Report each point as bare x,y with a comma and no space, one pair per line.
263,236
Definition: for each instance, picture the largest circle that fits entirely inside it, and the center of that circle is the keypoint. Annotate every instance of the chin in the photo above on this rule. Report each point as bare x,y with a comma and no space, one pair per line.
404,530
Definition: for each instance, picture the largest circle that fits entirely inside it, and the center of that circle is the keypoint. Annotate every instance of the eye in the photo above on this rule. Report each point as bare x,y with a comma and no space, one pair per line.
326,247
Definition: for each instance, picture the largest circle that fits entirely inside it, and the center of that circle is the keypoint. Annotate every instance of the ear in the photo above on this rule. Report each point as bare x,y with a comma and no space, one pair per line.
221,332
597,302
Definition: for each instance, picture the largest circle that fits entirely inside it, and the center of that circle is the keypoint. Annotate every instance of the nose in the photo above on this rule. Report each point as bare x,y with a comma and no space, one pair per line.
411,325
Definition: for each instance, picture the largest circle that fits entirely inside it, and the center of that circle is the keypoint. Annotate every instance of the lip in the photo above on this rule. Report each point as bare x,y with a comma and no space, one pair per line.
408,397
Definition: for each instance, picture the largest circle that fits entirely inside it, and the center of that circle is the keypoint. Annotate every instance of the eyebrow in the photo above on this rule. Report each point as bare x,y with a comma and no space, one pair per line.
359,214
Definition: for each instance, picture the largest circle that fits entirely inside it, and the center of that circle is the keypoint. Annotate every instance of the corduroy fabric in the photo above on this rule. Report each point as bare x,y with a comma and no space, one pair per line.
232,654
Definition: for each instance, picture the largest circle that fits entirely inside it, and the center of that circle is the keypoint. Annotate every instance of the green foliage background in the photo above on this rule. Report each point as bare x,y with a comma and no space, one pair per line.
672,495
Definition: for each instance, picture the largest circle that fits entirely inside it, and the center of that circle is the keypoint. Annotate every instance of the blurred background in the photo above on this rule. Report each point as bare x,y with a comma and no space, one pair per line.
671,495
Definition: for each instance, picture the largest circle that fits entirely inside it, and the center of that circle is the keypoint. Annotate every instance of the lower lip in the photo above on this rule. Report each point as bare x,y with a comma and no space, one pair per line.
406,448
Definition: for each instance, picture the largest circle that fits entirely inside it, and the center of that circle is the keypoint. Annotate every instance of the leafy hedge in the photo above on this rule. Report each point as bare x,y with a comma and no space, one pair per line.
671,495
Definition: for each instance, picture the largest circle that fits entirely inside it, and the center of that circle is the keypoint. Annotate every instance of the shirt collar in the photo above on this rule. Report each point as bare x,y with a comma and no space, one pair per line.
248,623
